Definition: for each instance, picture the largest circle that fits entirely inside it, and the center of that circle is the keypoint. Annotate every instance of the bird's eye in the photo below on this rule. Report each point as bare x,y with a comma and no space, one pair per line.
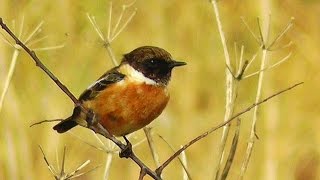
153,63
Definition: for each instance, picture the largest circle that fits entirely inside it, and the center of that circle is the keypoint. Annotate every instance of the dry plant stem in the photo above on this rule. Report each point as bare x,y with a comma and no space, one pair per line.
39,63
184,162
147,132
232,153
107,166
184,167
205,134
98,128
255,115
9,76
241,69
229,92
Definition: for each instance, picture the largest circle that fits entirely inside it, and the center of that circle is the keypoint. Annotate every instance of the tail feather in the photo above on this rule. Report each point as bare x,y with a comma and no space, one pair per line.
65,125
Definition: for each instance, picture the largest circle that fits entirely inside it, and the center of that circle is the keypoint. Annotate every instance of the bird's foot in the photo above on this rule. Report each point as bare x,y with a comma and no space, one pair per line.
127,151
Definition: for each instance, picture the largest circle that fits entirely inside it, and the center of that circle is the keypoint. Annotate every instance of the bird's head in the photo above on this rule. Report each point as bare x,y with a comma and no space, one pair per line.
153,62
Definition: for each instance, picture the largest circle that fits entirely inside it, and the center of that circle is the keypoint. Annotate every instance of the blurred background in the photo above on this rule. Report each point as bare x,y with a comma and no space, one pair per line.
289,138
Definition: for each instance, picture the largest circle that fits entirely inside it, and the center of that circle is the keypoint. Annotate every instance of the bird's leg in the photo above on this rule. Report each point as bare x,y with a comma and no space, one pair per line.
127,150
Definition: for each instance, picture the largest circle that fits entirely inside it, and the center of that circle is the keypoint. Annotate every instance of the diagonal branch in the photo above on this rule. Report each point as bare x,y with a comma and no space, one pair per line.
205,134
97,128
39,63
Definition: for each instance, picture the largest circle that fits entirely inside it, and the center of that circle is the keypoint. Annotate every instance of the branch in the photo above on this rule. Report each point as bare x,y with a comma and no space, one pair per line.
39,63
96,128
167,162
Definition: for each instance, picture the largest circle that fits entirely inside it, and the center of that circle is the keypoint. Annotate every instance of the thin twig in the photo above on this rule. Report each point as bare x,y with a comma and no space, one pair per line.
147,132
86,172
9,76
185,169
282,33
250,30
255,116
63,161
124,25
21,27
184,162
109,21
253,57
36,30
49,48
203,135
107,165
263,43
40,64
52,170
270,67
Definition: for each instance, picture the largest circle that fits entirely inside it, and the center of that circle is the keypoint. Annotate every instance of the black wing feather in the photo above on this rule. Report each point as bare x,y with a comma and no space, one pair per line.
110,77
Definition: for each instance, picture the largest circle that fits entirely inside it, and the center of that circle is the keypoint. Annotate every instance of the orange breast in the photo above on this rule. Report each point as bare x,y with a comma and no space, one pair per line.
126,107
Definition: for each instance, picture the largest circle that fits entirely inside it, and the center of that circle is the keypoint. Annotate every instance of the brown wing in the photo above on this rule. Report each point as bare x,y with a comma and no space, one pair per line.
110,77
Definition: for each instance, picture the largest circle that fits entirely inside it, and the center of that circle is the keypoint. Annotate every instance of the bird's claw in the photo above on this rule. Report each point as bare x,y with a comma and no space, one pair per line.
127,150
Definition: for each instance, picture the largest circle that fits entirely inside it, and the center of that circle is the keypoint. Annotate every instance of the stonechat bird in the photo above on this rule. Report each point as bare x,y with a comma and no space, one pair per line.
129,96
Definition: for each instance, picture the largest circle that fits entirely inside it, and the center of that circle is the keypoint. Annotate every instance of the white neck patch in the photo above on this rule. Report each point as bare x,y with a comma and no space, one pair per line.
135,75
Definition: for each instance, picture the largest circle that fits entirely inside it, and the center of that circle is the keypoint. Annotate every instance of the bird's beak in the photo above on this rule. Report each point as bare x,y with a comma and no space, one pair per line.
177,63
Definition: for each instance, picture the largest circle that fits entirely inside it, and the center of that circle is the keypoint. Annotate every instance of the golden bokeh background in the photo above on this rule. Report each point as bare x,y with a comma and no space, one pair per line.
288,125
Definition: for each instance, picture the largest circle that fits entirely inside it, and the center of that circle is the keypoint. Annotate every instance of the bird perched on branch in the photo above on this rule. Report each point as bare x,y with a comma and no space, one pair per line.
129,96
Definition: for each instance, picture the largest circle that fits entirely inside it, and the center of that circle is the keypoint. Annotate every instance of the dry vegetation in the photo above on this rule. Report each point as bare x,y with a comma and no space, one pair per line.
287,126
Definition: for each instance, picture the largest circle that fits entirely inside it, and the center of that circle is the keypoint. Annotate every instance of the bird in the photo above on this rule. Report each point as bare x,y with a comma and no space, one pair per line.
129,96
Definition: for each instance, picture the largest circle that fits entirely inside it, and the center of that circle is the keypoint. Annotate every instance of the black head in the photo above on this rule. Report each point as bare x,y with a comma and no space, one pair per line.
153,62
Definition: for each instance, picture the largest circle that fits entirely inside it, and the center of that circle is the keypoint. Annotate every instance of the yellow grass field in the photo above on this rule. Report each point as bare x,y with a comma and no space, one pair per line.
287,126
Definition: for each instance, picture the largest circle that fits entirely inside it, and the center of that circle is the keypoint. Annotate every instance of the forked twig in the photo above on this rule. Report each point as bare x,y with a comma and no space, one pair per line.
62,175
185,170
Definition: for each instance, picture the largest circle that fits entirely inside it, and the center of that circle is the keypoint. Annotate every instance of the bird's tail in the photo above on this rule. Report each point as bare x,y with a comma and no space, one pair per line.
65,125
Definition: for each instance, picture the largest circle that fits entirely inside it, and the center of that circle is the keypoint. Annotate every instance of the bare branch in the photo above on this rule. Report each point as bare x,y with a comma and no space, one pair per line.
205,134
180,160
40,64
97,128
